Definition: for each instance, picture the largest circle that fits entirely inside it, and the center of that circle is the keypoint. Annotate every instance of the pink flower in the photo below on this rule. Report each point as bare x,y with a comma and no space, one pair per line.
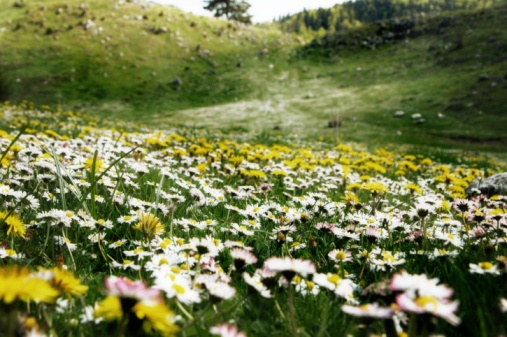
124,287
428,304
242,258
289,267
423,295
225,330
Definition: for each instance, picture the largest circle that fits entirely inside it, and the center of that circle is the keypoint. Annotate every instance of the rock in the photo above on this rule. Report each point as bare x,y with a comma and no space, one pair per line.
416,116
333,124
263,53
399,114
177,81
205,54
496,184
89,24
158,30
483,77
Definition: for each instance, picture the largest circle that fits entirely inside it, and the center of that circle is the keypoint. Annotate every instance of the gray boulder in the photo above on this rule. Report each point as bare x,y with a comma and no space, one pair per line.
496,184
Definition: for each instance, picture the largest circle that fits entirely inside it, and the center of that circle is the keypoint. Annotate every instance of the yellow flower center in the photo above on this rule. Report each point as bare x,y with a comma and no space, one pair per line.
486,265
333,278
179,289
423,301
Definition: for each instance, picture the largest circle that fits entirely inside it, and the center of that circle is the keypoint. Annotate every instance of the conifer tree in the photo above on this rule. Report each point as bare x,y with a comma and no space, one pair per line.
236,10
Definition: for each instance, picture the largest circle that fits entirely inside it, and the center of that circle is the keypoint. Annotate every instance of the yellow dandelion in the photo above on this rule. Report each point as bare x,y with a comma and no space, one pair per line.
16,283
375,187
156,318
99,164
16,228
109,309
149,225
66,283
414,188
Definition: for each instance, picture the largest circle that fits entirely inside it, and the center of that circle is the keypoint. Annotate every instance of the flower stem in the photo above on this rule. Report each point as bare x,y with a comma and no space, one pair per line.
292,313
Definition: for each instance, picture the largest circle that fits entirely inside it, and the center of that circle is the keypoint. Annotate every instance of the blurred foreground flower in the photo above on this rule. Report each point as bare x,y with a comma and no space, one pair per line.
422,295
372,310
18,284
136,307
224,330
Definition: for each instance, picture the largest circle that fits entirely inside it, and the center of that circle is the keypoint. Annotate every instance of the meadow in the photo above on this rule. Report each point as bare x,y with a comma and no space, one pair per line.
163,174
118,229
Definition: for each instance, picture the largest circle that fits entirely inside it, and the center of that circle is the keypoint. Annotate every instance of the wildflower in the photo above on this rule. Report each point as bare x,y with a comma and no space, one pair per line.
156,318
176,285
340,255
242,258
11,253
220,290
429,304
109,309
124,287
420,283
503,305
99,164
204,246
225,330
372,310
414,189
264,188
484,268
375,187
443,252
126,264
296,246
16,228
289,267
64,281
341,287
149,225
16,283
423,295
256,283
305,287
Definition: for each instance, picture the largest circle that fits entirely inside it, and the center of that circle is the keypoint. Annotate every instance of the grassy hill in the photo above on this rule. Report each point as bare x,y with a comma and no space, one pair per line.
160,66
120,55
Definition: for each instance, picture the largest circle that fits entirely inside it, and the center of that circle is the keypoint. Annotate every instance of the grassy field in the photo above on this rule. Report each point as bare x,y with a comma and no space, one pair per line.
168,175
114,230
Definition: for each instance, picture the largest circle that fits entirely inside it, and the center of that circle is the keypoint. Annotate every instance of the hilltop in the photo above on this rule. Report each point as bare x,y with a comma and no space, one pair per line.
353,14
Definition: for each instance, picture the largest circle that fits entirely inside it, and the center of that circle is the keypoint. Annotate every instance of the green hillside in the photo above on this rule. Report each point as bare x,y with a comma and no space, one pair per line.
62,51
157,65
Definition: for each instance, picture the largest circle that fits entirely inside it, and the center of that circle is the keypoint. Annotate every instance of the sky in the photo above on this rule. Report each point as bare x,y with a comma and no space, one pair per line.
261,10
